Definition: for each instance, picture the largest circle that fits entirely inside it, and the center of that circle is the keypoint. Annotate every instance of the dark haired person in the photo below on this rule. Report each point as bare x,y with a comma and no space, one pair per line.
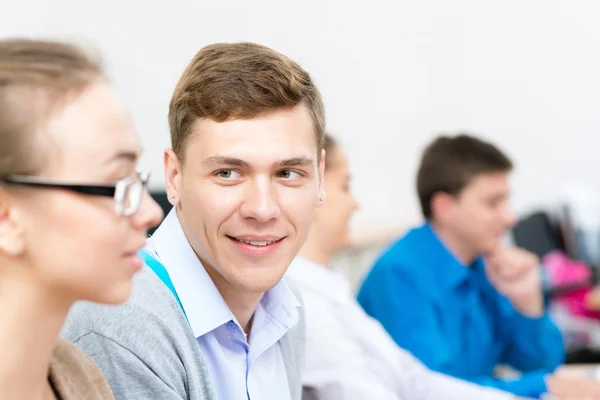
452,294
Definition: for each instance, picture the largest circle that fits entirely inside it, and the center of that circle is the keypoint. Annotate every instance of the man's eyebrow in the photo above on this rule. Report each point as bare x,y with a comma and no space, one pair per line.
295,162
220,161
498,196
224,161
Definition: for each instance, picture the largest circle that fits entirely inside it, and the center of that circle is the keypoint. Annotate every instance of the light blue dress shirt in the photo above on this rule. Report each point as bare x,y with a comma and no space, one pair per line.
453,319
240,369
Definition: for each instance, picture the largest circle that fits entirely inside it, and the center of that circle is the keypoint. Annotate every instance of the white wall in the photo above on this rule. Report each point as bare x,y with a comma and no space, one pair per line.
524,73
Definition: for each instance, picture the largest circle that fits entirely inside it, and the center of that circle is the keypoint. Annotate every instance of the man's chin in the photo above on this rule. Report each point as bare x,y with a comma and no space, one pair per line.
257,285
260,278
490,248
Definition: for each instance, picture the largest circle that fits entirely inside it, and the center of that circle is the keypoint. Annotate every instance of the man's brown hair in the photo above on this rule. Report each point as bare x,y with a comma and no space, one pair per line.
450,163
240,81
35,75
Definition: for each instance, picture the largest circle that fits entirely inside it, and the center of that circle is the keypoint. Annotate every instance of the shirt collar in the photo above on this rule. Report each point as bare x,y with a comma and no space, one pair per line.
446,266
325,281
205,308
281,304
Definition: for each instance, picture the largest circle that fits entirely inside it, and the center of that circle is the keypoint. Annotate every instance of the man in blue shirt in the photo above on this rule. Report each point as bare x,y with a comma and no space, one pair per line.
450,293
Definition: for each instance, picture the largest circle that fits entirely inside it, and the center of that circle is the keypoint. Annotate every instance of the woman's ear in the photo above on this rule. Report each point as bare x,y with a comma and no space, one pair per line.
12,235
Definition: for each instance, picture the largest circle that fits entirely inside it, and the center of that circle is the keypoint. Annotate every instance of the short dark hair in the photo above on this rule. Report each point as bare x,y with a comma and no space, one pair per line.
450,163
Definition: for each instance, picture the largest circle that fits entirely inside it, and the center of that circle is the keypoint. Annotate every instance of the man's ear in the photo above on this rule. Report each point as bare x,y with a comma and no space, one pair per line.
12,234
442,205
172,168
322,194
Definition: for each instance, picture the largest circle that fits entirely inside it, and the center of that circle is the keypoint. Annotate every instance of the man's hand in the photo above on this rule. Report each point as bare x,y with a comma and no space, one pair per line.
516,273
569,388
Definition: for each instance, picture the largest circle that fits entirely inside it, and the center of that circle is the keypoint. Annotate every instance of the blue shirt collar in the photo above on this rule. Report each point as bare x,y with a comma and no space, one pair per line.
205,308
447,268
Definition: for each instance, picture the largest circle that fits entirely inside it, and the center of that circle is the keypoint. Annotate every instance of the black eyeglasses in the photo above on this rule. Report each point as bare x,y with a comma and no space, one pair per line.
127,193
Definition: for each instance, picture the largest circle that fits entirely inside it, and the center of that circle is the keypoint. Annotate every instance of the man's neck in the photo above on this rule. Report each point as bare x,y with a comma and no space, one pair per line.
31,321
464,253
241,304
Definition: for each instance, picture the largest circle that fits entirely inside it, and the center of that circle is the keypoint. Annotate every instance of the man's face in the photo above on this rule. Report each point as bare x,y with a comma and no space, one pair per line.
247,192
481,213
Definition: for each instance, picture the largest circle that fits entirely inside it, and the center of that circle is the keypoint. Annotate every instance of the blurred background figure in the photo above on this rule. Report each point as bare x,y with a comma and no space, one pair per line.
452,294
73,213
349,356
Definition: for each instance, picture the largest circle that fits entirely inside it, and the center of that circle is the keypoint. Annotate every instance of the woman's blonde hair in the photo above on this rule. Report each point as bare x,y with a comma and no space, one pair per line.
35,77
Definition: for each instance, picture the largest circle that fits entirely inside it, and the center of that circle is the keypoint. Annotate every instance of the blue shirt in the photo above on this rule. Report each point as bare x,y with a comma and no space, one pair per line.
453,319
240,368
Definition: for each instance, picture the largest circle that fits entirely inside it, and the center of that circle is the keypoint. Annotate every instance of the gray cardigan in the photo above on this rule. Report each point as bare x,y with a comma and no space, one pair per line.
147,350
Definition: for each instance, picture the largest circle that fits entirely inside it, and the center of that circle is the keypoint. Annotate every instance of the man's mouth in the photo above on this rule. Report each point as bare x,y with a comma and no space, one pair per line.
258,243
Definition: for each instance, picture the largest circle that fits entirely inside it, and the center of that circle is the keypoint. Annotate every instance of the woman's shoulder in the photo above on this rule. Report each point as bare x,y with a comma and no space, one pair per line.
74,375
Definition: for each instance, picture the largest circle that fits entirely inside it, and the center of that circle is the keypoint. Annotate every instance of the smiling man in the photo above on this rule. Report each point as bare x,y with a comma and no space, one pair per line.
245,175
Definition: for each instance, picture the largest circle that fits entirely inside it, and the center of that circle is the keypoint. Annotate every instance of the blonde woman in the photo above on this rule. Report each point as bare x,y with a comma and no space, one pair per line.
73,213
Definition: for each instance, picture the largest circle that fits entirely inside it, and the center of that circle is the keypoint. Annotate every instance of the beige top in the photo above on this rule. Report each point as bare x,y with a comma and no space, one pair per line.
74,376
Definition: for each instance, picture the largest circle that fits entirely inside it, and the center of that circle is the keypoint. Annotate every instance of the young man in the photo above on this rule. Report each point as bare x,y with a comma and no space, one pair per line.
456,298
245,174
349,356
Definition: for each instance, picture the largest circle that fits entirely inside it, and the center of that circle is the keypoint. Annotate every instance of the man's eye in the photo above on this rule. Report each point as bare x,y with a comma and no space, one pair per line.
228,174
289,174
